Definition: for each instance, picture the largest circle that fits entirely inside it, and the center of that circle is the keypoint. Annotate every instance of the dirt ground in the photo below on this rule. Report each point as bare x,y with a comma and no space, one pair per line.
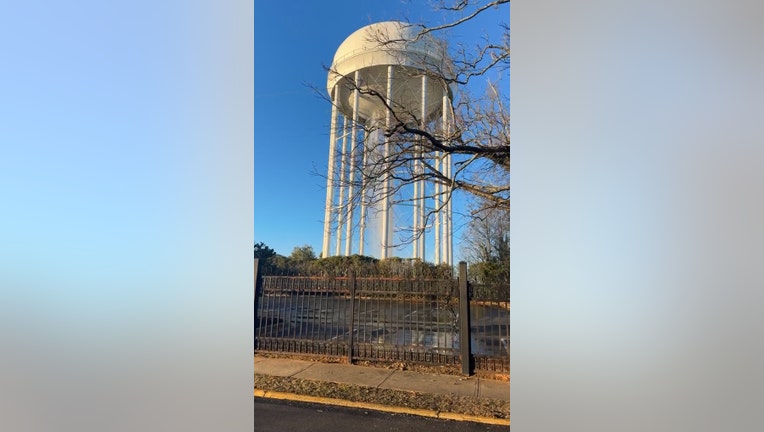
448,403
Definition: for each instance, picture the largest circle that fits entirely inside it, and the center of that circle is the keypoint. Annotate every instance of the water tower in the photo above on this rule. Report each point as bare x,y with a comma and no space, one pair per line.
383,74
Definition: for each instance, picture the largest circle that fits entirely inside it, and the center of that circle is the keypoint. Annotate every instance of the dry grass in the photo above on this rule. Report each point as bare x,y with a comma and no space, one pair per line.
439,402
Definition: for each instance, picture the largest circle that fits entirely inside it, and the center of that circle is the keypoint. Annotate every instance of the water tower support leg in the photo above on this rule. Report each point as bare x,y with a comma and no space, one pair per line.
386,234
353,156
422,186
362,221
450,229
330,180
341,213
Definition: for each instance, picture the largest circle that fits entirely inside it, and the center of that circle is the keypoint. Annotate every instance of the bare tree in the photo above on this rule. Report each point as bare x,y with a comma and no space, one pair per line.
486,238
468,153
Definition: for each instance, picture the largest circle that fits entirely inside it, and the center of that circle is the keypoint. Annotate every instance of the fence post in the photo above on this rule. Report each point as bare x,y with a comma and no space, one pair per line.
257,286
464,321
351,285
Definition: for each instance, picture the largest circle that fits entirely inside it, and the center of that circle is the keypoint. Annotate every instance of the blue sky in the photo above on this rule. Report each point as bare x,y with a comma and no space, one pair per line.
293,43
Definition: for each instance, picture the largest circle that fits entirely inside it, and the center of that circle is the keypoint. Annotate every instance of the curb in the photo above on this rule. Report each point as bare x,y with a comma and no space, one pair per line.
377,407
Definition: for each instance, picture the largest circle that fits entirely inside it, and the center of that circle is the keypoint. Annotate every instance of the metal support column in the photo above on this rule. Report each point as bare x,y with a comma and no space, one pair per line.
449,220
445,189
386,184
353,155
362,221
341,200
422,186
330,179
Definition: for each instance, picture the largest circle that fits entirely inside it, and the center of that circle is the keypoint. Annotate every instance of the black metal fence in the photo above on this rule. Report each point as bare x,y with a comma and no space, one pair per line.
489,326
412,320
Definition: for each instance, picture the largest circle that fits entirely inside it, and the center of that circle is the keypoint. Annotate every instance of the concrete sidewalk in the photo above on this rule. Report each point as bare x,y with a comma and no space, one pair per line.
383,378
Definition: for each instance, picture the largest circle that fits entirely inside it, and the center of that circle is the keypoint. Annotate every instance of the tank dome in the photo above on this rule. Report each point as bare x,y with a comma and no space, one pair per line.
370,50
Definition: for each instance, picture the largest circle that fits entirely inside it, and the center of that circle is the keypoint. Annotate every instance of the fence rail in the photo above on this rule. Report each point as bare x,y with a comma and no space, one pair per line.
412,320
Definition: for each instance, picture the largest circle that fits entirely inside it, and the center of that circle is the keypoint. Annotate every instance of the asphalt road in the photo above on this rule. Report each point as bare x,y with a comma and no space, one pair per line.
273,415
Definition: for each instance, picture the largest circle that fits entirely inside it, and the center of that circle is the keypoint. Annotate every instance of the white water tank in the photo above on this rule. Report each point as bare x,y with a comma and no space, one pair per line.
370,50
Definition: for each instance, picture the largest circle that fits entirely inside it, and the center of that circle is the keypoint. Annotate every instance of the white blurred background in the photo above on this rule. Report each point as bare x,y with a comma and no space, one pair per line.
637,215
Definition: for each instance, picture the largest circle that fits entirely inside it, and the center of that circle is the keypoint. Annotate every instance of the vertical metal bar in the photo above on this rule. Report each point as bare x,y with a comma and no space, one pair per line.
330,322
398,321
287,319
392,320
375,319
330,178
385,318
337,310
341,309
507,327
307,326
425,311
455,292
415,216
331,299
265,308
314,321
288,299
366,305
311,336
292,333
411,314
257,290
351,283
279,332
380,323
314,288
265,301
298,293
321,310
406,315
421,316
464,321
435,321
309,344
327,315
415,303
300,322
341,313
286,303
316,315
